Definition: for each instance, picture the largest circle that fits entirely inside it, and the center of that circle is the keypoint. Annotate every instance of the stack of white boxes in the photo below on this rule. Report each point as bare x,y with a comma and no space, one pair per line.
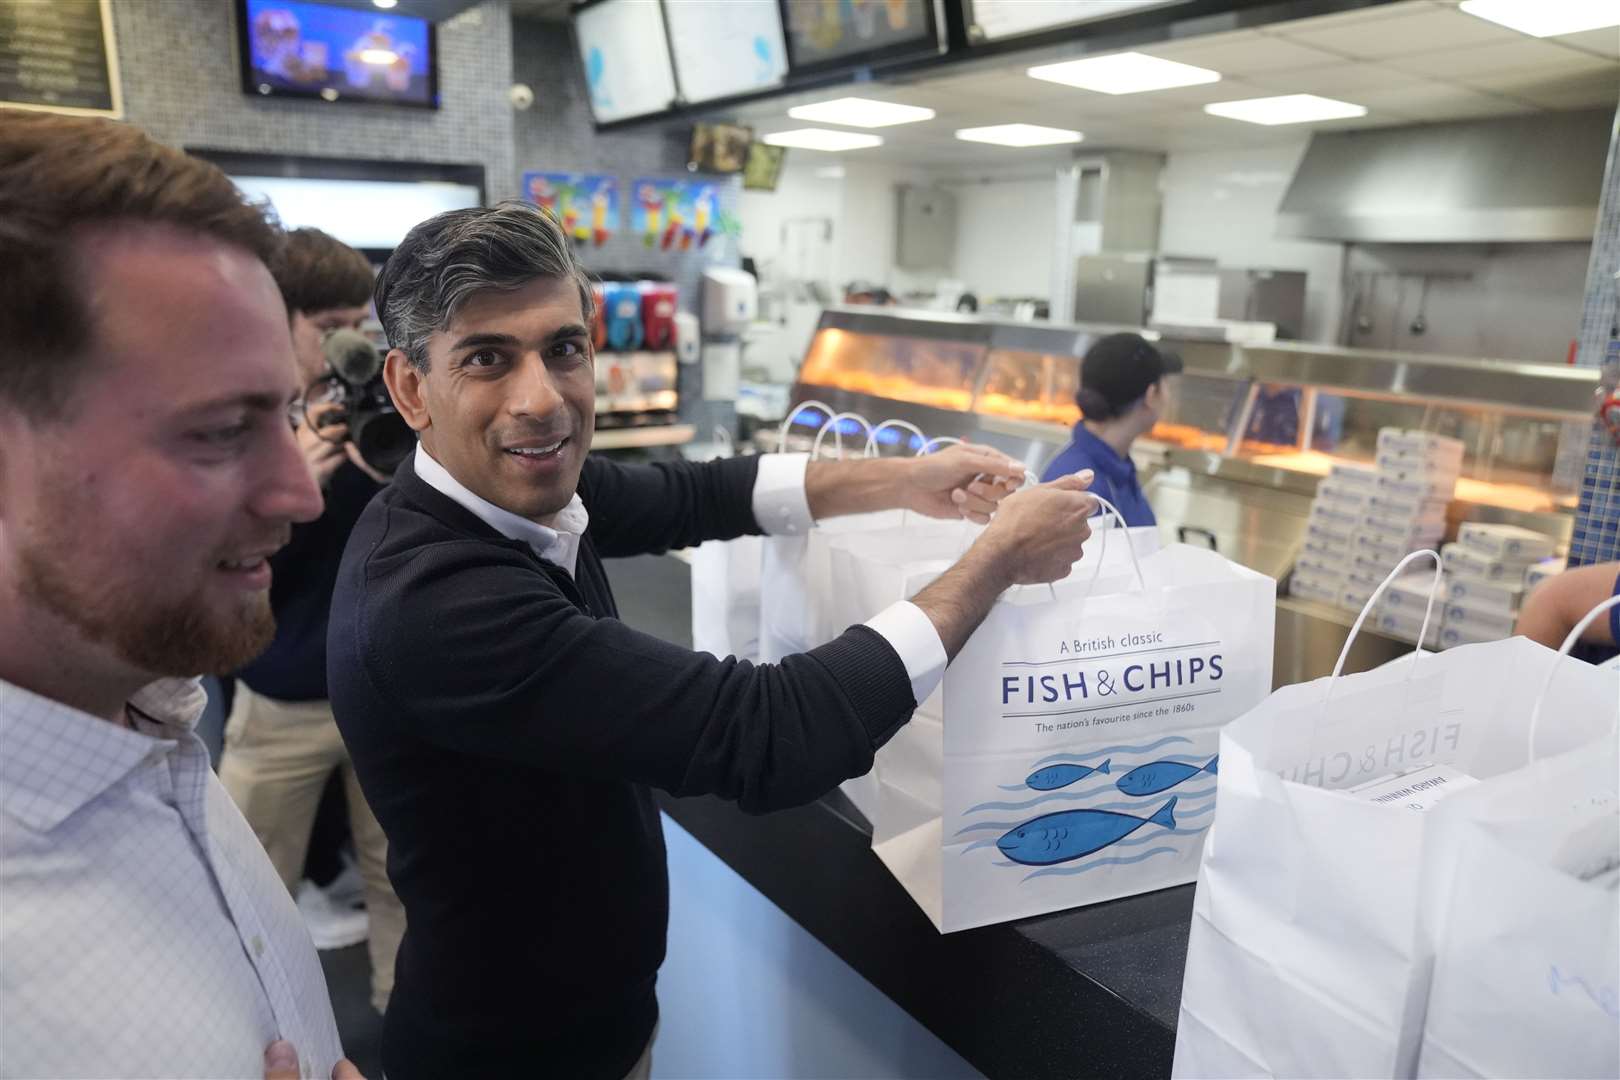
1401,612
1417,473
1487,569
1343,499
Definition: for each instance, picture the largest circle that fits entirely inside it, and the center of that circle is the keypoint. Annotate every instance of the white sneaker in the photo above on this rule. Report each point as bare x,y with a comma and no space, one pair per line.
348,889
330,926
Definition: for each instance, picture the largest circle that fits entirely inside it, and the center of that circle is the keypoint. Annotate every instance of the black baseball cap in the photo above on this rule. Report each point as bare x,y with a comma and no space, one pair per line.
1117,371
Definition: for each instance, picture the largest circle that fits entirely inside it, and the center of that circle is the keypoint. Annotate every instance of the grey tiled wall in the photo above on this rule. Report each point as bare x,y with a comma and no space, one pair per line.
179,69
1597,520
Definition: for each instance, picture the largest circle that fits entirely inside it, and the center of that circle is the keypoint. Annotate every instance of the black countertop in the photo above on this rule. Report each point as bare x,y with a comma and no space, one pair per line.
1089,992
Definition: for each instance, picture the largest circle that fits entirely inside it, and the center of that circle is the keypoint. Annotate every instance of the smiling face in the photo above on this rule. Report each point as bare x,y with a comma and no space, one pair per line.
508,401
136,524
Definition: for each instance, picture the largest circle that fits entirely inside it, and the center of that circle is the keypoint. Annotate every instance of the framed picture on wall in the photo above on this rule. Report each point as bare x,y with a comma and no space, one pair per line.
59,57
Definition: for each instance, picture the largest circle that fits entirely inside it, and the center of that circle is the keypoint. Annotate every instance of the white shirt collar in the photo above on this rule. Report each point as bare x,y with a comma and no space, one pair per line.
559,545
58,758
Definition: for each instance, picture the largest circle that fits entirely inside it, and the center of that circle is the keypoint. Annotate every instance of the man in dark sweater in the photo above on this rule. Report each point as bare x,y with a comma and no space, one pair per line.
281,743
507,727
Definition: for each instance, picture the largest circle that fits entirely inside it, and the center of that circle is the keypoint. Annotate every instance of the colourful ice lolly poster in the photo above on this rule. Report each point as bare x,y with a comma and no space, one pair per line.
587,205
675,215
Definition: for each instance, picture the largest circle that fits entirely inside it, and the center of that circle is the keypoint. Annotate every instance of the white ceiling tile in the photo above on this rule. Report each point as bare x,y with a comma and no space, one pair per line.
1354,15
1422,31
1605,42
1486,60
1333,80
1573,91
1242,55
1438,101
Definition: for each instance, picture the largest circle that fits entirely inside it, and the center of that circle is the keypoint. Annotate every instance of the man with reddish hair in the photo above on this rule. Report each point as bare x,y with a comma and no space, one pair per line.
147,472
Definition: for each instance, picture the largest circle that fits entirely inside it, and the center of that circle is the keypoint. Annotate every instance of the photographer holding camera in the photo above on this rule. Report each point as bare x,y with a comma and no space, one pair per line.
281,742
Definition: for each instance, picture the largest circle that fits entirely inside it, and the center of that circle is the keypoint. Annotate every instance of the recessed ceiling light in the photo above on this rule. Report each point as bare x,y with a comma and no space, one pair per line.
861,112
1545,18
1287,109
385,4
1019,135
823,139
1124,73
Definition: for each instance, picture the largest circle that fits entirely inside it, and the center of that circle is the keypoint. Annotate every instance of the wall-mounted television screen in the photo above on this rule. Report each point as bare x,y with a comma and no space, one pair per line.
832,36
369,205
720,148
624,49
764,167
302,49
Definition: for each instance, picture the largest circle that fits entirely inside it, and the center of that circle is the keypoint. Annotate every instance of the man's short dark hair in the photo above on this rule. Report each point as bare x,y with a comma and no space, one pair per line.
60,175
319,272
446,259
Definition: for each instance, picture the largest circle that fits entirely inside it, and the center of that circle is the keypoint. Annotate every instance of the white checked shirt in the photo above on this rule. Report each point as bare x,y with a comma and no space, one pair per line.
143,931
781,508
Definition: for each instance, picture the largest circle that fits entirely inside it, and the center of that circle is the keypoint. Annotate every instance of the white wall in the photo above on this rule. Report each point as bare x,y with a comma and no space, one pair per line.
1222,204
861,204
1006,230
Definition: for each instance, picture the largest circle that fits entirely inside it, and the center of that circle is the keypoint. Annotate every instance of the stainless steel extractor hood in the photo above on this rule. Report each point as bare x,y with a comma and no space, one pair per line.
1478,181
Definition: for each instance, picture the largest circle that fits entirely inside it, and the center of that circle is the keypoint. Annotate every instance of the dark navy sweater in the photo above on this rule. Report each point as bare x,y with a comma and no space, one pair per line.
303,574
506,729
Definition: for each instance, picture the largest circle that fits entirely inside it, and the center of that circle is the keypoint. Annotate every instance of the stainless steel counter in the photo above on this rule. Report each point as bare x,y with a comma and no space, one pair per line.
1005,384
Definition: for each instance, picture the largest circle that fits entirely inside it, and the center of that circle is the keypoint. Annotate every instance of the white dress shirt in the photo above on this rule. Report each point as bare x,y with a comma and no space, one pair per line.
780,506
143,931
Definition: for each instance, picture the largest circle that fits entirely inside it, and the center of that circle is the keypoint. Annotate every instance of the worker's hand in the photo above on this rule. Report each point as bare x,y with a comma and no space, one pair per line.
281,1063
1038,534
965,481
322,445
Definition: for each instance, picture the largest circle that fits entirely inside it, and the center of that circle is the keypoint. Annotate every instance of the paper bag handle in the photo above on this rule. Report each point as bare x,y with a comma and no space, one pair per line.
838,437
871,438
1423,631
1096,571
1563,651
793,414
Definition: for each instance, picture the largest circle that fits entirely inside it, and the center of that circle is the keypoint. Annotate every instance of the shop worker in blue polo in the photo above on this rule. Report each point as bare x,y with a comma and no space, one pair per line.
1123,393
506,727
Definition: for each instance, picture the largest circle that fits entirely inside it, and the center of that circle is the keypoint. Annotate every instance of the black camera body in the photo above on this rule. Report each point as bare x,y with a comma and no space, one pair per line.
354,382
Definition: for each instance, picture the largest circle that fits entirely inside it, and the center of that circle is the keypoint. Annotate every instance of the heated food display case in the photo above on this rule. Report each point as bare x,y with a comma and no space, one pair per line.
1249,432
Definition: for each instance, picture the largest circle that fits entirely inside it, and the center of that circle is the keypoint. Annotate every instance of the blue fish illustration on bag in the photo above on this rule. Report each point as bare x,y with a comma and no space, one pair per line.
1160,776
1072,834
1056,776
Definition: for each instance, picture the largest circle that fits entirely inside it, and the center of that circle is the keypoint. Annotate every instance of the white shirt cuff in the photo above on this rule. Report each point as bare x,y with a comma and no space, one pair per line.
912,634
780,505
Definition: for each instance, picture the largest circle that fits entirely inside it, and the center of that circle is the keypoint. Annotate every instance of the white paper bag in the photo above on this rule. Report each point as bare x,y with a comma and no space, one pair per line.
725,597
1306,955
788,620
1185,628
1523,908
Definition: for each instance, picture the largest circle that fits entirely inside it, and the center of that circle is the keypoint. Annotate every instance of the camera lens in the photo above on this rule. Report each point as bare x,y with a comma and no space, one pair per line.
383,439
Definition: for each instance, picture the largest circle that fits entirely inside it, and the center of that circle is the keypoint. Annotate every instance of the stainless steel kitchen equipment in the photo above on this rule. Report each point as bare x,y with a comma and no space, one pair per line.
1214,464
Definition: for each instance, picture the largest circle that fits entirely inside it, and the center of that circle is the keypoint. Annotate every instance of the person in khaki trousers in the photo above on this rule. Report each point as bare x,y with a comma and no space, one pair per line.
281,741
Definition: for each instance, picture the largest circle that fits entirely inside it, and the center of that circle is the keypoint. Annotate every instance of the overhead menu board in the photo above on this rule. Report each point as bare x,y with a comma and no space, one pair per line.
993,20
831,34
726,47
58,56
626,56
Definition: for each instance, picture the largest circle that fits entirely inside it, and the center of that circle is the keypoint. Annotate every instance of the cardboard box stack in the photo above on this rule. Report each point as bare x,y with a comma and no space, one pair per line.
1406,510
1400,613
1343,499
1487,570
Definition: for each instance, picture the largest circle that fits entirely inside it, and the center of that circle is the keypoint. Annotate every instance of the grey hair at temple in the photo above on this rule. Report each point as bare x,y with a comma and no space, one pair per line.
446,259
